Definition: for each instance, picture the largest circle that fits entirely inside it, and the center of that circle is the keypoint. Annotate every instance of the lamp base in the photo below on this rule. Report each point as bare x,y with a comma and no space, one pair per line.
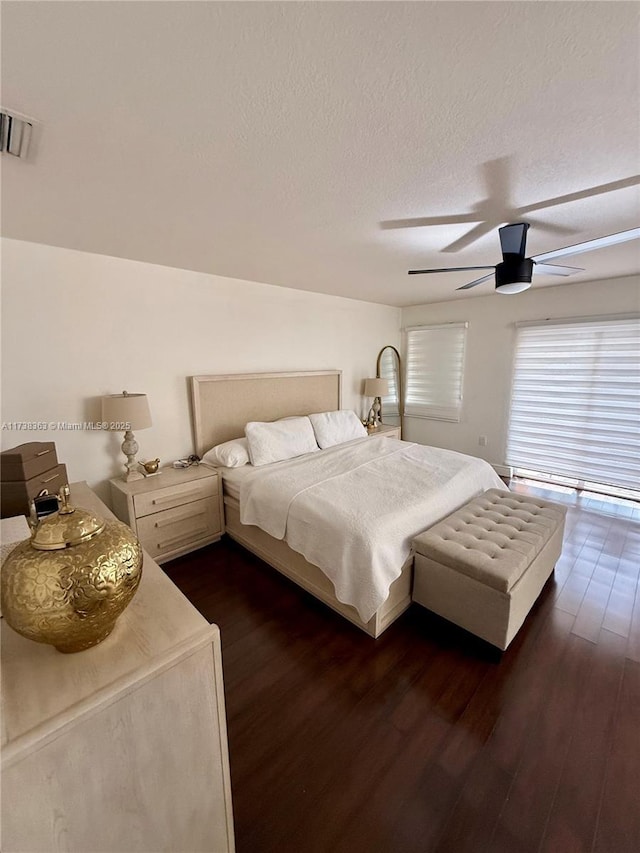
130,448
373,420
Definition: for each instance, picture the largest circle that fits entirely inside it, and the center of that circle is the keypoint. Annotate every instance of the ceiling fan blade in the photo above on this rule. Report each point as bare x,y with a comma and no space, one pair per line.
474,283
513,239
554,269
590,245
450,269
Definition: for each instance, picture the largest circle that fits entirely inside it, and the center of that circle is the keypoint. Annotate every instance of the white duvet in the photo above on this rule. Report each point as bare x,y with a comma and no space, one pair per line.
354,509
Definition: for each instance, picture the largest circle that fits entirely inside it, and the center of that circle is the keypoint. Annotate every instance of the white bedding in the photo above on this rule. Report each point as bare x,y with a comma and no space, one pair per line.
353,510
232,478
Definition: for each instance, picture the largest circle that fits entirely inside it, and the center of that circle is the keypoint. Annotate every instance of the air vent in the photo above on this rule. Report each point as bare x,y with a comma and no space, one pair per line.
15,133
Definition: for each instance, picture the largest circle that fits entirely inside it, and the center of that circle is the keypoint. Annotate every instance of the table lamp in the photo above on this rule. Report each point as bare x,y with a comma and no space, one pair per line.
127,412
375,388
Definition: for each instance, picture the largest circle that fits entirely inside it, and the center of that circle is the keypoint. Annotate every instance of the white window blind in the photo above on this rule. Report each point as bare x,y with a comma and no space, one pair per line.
434,372
575,408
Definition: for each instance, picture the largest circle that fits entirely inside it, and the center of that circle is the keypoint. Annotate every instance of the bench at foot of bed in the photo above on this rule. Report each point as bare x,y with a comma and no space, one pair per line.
484,566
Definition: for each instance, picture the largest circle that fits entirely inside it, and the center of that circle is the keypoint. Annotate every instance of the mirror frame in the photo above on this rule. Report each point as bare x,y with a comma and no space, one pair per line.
400,383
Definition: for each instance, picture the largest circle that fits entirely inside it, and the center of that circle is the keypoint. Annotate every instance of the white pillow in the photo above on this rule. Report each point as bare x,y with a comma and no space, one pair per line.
337,427
230,454
278,440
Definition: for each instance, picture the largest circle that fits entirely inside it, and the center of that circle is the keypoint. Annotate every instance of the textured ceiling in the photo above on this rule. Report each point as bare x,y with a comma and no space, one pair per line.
279,142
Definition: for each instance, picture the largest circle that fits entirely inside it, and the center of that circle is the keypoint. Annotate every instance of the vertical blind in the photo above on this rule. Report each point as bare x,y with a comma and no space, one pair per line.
434,372
575,408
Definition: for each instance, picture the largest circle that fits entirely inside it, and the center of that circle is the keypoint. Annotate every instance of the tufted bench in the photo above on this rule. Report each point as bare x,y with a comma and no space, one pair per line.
484,566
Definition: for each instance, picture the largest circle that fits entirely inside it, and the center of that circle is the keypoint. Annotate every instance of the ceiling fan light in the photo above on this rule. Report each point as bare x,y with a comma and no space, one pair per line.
514,274
513,286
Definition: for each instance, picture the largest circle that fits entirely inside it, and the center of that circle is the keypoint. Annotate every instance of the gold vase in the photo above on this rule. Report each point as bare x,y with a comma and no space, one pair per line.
68,584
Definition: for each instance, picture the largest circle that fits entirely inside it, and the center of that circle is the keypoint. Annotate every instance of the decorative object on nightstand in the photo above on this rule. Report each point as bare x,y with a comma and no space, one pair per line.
172,514
375,388
129,412
151,468
68,584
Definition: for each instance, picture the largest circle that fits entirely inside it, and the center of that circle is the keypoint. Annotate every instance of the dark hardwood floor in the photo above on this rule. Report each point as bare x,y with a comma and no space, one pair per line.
427,739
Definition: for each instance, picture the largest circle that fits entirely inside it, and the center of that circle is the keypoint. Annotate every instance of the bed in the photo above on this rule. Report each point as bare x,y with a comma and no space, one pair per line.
380,588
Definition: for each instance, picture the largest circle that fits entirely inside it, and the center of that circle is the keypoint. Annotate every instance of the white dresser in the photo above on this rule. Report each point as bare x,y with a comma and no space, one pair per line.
122,747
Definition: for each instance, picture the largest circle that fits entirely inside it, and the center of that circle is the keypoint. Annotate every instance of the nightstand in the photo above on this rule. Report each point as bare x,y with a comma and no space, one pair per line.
174,512
387,430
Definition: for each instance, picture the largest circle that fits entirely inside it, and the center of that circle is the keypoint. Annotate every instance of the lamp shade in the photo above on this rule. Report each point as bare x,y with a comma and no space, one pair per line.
376,387
130,409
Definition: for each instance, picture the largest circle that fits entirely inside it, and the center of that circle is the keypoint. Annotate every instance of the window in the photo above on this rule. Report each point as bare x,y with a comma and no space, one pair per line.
435,366
575,409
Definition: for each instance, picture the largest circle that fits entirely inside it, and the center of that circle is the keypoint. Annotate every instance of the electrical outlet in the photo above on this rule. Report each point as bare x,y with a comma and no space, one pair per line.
482,441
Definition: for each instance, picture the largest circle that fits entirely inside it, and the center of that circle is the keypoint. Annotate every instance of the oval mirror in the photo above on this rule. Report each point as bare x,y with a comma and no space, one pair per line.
388,367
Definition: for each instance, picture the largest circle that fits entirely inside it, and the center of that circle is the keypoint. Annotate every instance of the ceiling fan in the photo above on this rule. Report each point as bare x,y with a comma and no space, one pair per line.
514,273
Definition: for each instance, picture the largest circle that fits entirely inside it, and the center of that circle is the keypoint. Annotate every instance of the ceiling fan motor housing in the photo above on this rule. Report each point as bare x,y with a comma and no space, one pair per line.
514,270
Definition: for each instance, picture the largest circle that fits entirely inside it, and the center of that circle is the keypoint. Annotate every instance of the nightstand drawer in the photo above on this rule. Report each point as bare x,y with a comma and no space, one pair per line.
387,431
176,528
174,496
391,433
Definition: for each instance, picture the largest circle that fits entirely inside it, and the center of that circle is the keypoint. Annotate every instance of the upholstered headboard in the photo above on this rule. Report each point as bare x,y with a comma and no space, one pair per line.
223,404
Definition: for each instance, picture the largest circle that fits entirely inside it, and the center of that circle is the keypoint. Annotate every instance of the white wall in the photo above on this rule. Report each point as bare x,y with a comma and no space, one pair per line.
76,326
490,349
